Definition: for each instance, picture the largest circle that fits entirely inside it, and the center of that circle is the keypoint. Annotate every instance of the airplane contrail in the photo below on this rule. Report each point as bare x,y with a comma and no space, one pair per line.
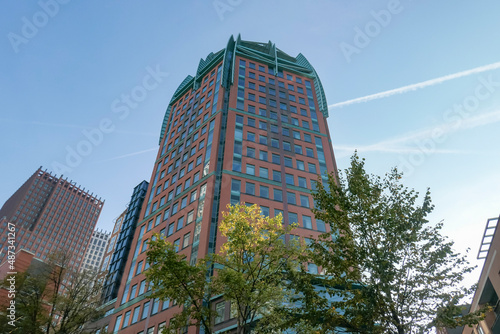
416,86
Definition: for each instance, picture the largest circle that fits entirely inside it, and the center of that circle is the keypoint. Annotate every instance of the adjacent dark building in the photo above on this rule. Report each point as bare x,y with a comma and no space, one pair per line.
249,126
50,214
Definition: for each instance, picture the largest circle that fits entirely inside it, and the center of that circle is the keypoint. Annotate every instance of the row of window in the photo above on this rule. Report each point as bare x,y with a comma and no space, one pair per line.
262,68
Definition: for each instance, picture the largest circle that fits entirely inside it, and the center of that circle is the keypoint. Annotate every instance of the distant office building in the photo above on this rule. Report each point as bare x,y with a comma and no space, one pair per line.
108,253
488,287
249,126
95,251
50,214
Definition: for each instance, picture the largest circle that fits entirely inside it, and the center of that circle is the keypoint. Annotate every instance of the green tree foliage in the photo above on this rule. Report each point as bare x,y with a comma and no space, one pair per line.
249,271
55,298
388,268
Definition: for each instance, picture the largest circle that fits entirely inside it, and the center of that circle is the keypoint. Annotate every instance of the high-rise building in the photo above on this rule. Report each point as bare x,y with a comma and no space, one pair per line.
50,214
110,249
249,126
95,251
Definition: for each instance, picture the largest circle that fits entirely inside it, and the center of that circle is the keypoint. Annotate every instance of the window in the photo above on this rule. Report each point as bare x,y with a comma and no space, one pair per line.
250,188
262,125
263,155
300,165
275,143
265,211
290,198
171,229
263,172
276,159
312,167
262,140
306,222
264,191
320,225
220,310
293,218
135,316
289,179
304,200
250,152
145,310
276,176
278,195
196,177
185,240
307,138
251,136
190,217
296,134
251,122
309,152
193,196
274,128
305,124
298,149
126,320
180,223
302,182
288,162
250,169
177,243
139,268
117,324
287,146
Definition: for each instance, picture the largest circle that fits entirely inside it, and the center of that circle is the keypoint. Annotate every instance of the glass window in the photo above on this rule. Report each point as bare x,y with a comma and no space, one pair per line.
264,191
262,140
309,152
288,162
276,159
220,309
262,125
320,225
307,138
290,198
250,188
275,143
185,240
302,182
251,136
180,223
289,178
300,165
293,218
145,310
312,167
250,152
287,146
304,200
306,222
276,176
263,155
171,229
278,195
135,316
251,122
250,169
298,149
263,172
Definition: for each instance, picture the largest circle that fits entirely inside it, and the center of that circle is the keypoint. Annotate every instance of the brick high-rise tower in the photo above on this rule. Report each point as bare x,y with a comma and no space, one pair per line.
249,126
50,214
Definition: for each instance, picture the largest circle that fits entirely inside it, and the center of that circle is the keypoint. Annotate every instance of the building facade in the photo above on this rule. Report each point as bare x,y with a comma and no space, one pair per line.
250,126
110,248
488,286
95,251
50,214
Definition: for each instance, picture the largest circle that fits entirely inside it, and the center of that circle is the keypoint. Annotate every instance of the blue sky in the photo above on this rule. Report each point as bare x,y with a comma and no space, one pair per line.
65,73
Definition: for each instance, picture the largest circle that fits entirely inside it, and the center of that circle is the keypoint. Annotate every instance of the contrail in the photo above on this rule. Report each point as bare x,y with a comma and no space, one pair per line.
416,86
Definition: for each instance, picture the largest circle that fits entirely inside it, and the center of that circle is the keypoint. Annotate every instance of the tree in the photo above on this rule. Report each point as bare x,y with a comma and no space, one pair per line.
390,270
55,298
249,271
